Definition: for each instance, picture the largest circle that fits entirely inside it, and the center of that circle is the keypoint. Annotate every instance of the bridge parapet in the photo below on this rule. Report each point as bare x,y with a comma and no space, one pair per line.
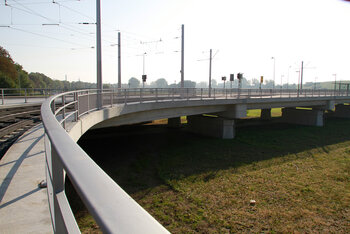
111,207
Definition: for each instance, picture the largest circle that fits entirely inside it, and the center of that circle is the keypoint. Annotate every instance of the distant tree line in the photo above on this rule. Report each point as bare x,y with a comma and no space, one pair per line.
12,75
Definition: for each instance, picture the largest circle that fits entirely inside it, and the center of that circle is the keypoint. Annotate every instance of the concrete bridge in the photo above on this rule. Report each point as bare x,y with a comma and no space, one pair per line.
110,206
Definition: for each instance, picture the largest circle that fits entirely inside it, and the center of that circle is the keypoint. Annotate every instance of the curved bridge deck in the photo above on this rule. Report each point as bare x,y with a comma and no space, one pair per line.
79,111
23,205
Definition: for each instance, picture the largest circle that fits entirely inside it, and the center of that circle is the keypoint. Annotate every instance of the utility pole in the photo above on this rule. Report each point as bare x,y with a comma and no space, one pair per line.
210,58
182,56
119,63
99,55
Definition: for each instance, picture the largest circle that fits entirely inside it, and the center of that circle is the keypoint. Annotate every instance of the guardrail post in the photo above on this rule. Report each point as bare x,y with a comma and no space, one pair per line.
25,96
201,93
88,101
2,96
187,93
281,93
58,187
76,106
63,112
111,98
173,90
124,96
156,94
140,95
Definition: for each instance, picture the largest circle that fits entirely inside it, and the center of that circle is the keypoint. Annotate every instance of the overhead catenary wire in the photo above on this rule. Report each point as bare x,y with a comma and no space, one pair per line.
45,36
37,3
63,25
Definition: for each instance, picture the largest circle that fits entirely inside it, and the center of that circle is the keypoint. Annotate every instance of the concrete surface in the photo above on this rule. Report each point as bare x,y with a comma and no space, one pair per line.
342,111
23,205
211,126
314,117
21,101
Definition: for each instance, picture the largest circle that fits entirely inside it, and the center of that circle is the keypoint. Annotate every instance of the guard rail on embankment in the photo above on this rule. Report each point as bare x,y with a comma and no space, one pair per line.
113,209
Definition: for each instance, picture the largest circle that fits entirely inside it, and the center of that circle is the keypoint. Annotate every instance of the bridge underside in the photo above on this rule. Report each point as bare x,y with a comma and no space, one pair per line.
304,112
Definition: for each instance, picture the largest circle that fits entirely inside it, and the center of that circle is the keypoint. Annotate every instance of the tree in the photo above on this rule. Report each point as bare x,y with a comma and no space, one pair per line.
160,83
7,65
268,84
202,84
134,83
6,81
189,84
214,83
38,80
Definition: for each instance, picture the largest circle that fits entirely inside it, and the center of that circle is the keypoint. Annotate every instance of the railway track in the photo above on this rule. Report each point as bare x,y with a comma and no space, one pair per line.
14,121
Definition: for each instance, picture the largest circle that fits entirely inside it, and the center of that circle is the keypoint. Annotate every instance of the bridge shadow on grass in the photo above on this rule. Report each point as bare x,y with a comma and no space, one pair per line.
141,157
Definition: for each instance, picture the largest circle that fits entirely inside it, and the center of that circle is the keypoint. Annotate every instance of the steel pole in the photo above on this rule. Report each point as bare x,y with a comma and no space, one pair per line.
274,71
182,56
98,51
210,59
119,63
301,75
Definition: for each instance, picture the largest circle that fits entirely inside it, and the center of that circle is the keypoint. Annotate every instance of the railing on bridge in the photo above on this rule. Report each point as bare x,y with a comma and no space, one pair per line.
110,206
25,94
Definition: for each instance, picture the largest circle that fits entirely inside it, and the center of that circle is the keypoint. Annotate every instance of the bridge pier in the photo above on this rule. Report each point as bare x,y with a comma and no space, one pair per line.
314,117
174,122
265,114
235,112
342,111
211,126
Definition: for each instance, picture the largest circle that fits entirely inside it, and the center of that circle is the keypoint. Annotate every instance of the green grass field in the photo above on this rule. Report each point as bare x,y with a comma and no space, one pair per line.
299,177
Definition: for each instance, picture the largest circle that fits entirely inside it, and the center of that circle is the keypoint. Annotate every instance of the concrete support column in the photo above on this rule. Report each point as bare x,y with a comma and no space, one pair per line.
235,112
265,114
342,111
211,126
303,116
174,122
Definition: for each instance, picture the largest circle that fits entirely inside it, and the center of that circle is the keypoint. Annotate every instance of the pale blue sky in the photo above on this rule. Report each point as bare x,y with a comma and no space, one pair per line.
246,34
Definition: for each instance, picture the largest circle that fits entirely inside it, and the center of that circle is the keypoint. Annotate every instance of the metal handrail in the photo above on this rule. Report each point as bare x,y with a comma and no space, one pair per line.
112,208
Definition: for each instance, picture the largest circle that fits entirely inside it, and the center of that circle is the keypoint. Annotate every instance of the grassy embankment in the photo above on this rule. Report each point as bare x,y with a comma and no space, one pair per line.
299,177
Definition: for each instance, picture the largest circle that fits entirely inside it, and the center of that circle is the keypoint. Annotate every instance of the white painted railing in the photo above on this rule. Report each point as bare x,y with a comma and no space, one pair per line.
113,209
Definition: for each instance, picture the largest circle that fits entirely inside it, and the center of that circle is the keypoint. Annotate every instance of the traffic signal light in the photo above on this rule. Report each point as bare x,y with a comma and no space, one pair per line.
232,77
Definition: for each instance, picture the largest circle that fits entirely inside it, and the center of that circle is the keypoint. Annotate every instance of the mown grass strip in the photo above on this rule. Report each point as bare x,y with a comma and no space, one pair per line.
299,177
